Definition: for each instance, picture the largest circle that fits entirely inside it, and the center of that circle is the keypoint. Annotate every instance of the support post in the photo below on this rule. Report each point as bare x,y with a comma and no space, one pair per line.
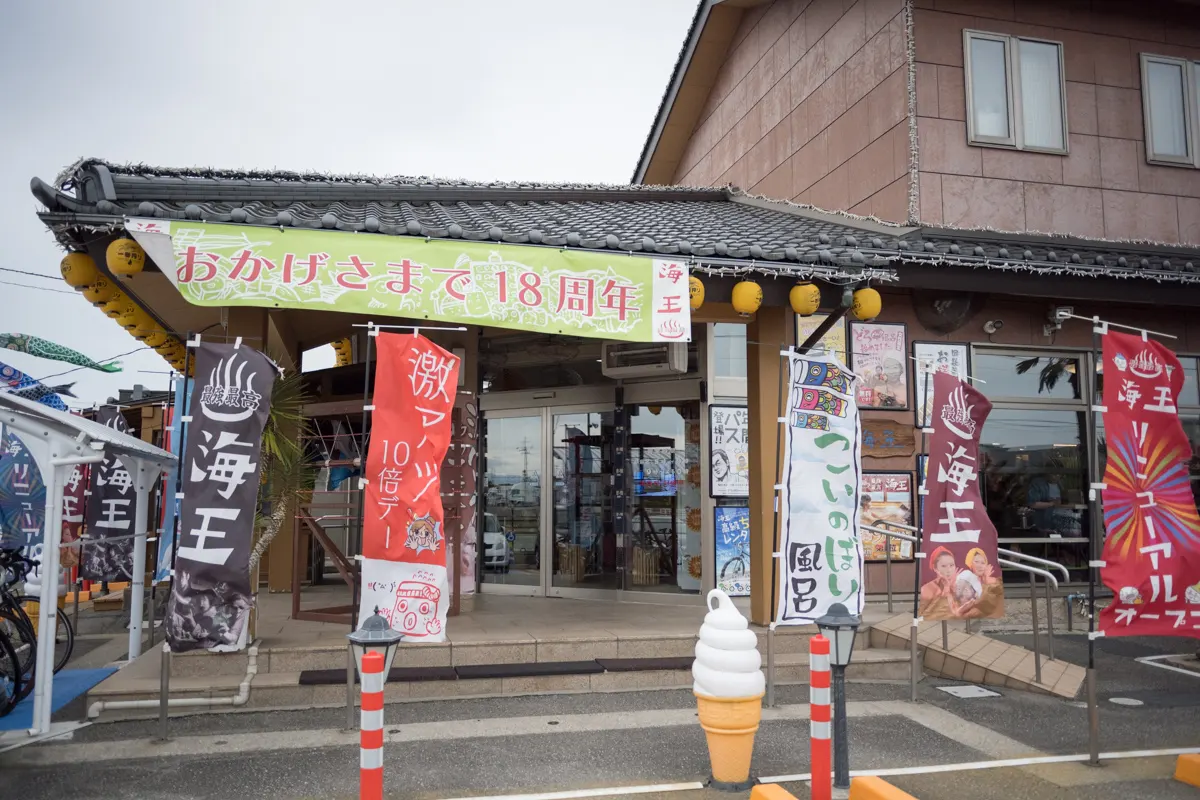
1049,622
819,718
766,336
1037,637
350,668
915,671
945,636
1095,539
164,689
771,665
48,601
887,554
137,586
841,745
370,786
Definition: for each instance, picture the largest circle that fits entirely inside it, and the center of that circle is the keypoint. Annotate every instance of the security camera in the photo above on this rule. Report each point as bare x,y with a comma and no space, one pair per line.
993,326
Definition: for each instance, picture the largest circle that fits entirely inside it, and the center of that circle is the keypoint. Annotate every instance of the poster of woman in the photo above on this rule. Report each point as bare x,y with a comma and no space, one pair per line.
879,356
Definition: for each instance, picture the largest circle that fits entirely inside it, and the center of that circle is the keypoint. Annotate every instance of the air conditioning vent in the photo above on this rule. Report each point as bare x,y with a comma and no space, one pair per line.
643,359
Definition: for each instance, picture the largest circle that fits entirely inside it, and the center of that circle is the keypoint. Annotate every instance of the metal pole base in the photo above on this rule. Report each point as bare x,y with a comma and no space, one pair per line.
351,669
1093,719
916,664
164,688
771,666
841,747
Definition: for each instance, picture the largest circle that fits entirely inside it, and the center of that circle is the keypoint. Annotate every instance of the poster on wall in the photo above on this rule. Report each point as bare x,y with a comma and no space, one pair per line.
689,569
822,558
210,603
834,340
960,574
931,357
879,356
732,528
1151,554
404,573
729,446
886,497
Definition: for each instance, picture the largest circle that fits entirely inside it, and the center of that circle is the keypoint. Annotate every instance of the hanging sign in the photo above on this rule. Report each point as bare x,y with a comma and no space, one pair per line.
729,449
1152,549
460,490
542,289
230,401
885,438
820,545
110,509
72,515
404,573
22,500
960,576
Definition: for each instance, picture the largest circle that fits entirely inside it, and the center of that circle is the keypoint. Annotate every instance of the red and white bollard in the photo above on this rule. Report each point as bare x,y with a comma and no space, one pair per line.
370,781
820,759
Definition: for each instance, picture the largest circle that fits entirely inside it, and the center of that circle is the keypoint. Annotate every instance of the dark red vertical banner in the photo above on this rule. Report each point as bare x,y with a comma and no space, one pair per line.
1152,545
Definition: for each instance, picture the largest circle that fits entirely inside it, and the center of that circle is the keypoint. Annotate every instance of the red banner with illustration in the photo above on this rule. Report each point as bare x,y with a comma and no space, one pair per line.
404,573
960,577
1152,549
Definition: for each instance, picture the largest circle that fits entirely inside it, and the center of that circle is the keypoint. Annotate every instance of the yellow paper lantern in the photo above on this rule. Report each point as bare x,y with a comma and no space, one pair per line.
805,299
128,315
142,324
125,257
155,338
747,298
101,291
78,270
114,306
867,304
695,293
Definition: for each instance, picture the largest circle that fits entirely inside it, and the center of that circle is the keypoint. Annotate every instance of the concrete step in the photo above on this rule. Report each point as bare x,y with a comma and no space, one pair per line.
280,689
788,641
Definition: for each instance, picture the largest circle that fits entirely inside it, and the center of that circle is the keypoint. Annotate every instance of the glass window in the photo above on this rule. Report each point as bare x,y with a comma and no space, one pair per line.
585,543
512,500
1034,481
729,350
1167,88
1010,375
1013,79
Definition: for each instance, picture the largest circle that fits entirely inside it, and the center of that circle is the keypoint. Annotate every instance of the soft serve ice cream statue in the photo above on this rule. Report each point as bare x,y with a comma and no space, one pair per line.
729,684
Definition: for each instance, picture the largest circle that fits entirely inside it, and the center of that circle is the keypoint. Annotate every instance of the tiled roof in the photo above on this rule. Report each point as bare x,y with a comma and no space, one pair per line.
722,230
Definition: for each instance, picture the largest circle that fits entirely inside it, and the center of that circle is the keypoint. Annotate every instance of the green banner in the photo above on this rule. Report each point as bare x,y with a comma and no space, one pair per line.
530,288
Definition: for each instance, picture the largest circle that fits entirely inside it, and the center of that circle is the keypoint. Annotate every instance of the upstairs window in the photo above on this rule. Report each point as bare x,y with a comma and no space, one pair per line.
1015,92
1169,108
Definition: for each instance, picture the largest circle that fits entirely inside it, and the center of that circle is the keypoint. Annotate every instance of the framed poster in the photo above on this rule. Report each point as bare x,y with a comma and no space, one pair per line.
946,357
886,497
834,339
878,355
732,528
922,472
729,449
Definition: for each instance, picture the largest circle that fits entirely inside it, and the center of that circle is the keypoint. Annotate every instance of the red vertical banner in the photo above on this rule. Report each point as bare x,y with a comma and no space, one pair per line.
404,572
1152,544
72,519
960,576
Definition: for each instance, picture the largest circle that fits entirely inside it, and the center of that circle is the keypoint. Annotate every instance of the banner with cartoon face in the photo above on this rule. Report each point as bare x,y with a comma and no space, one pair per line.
404,576
230,402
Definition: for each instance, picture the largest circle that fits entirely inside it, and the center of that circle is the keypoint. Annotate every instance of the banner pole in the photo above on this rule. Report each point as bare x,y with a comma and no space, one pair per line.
165,666
915,670
781,420
1095,529
356,548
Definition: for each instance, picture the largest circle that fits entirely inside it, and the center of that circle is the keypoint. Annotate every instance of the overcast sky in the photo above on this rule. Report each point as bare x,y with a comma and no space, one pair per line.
521,89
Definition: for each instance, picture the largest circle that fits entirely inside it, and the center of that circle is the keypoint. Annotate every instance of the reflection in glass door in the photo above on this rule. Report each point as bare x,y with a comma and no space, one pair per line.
584,541
512,501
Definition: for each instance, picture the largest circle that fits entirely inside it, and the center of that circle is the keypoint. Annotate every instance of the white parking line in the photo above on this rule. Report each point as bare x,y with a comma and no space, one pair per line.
606,792
997,764
1152,661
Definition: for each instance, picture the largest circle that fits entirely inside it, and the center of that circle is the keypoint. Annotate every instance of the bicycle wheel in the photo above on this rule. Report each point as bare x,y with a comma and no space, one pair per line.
21,639
11,686
64,633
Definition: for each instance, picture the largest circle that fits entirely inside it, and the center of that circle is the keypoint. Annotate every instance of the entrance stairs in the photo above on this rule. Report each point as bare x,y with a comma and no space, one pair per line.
315,676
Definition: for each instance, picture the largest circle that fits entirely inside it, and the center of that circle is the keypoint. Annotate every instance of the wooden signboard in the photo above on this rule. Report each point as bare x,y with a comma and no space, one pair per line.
885,438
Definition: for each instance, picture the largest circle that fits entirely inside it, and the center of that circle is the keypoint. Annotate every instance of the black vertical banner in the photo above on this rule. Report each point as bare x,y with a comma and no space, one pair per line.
110,510
230,400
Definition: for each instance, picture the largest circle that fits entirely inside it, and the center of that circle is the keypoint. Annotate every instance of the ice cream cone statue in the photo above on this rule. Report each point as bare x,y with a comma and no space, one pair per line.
729,686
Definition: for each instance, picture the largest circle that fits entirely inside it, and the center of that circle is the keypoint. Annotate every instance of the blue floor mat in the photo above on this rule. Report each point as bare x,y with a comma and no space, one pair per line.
68,684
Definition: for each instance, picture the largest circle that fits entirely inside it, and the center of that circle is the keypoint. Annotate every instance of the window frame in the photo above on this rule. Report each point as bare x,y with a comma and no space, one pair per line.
1191,79
1012,84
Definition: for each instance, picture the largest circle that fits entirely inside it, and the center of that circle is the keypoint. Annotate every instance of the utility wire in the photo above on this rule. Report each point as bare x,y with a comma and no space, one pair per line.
102,361
32,274
38,288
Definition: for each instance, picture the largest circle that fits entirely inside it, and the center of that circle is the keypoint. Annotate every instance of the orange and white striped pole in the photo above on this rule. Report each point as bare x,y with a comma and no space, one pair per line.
370,760
820,758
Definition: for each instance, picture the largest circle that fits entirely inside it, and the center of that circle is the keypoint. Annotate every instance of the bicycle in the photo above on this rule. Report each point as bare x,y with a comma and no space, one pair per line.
21,628
12,687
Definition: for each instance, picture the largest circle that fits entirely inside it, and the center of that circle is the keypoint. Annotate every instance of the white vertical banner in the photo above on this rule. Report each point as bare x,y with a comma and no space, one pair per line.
821,556
671,316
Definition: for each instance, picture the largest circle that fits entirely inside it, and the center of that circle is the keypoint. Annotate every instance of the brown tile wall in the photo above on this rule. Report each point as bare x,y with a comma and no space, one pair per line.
811,105
1104,188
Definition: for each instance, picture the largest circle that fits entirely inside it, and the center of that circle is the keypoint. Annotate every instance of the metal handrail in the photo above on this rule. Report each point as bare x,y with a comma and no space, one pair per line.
1044,562
1031,570
892,534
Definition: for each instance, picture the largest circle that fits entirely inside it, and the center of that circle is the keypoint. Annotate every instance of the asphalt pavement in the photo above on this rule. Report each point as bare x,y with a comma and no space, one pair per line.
512,745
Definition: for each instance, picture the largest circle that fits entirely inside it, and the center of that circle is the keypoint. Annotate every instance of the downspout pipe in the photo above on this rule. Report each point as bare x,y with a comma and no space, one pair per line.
239,699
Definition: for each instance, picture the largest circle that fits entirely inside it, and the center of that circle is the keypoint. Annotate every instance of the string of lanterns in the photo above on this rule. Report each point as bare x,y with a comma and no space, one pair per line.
124,258
344,351
804,298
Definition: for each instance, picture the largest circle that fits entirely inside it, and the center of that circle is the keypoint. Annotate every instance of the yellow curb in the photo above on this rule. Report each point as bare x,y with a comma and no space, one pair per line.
1187,769
770,791
872,788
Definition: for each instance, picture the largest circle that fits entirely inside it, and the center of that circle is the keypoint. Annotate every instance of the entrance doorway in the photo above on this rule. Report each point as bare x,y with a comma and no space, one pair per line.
550,477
